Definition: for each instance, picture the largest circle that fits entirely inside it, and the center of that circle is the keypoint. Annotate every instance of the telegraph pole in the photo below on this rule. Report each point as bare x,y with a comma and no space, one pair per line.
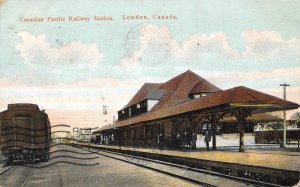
284,114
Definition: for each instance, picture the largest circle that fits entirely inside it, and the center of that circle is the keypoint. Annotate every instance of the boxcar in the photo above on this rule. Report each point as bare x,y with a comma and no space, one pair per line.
25,133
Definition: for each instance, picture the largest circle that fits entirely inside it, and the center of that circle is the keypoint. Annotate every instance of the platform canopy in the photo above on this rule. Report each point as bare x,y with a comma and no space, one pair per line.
103,128
253,118
222,101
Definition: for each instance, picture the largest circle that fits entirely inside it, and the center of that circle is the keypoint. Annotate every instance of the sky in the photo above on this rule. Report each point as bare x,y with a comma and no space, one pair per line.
72,68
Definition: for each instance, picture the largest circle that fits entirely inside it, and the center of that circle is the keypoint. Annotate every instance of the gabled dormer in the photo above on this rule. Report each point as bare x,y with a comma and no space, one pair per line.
202,89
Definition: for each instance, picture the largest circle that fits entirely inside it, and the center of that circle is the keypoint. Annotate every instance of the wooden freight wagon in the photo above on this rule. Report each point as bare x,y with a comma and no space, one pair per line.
25,133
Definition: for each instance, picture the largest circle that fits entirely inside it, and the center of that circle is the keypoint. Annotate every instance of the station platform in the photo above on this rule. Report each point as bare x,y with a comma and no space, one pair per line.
283,160
276,166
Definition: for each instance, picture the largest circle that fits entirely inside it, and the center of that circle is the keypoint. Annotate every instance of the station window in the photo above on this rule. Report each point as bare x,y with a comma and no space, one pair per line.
138,105
200,95
129,109
196,96
143,103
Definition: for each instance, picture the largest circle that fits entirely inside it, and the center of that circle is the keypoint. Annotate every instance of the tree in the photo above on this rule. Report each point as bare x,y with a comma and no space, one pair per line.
296,117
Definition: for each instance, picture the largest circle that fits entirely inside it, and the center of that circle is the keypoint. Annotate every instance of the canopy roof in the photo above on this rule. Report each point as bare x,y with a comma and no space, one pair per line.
103,128
255,118
238,97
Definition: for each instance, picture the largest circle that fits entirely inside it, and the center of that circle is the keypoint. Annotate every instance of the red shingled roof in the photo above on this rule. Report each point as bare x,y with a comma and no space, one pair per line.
204,87
174,91
235,97
181,86
142,93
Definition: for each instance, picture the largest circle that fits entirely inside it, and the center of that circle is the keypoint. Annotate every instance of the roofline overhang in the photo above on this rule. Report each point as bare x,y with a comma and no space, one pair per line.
273,107
245,105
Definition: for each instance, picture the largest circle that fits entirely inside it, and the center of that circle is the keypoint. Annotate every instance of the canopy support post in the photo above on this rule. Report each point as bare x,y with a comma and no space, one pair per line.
241,114
145,135
214,124
194,133
215,119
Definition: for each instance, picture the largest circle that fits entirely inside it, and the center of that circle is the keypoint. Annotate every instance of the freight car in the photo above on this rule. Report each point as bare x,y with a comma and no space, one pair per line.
25,134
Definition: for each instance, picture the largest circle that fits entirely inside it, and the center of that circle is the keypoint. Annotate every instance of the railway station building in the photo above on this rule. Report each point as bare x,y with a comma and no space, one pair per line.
171,114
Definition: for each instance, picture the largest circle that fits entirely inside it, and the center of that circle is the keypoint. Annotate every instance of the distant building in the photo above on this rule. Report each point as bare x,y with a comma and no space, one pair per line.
83,135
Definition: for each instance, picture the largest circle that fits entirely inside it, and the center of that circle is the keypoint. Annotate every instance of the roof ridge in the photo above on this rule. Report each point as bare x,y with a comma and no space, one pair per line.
188,72
151,83
185,74
200,79
178,77
174,78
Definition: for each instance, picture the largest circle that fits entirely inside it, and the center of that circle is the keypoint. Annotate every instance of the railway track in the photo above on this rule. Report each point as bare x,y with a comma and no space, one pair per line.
17,175
6,170
154,165
21,175
30,174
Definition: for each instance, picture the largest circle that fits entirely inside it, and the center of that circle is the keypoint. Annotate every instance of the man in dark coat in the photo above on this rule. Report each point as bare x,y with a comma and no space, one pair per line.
207,139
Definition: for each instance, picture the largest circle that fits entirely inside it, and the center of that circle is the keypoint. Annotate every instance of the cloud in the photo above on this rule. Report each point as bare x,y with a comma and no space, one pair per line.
158,46
253,76
95,82
36,50
270,44
103,82
153,40
216,44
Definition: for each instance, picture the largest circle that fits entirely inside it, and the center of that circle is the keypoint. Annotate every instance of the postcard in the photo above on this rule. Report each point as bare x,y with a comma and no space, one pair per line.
149,93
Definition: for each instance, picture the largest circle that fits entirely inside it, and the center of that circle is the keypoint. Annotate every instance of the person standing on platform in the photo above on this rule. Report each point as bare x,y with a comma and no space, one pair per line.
207,139
160,141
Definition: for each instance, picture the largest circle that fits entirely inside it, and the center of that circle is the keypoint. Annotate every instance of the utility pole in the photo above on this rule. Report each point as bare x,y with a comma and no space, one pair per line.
284,115
114,121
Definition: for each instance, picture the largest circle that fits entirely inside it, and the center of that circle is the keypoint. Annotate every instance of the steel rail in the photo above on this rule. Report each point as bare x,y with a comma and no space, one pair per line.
234,178
11,167
157,170
30,174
